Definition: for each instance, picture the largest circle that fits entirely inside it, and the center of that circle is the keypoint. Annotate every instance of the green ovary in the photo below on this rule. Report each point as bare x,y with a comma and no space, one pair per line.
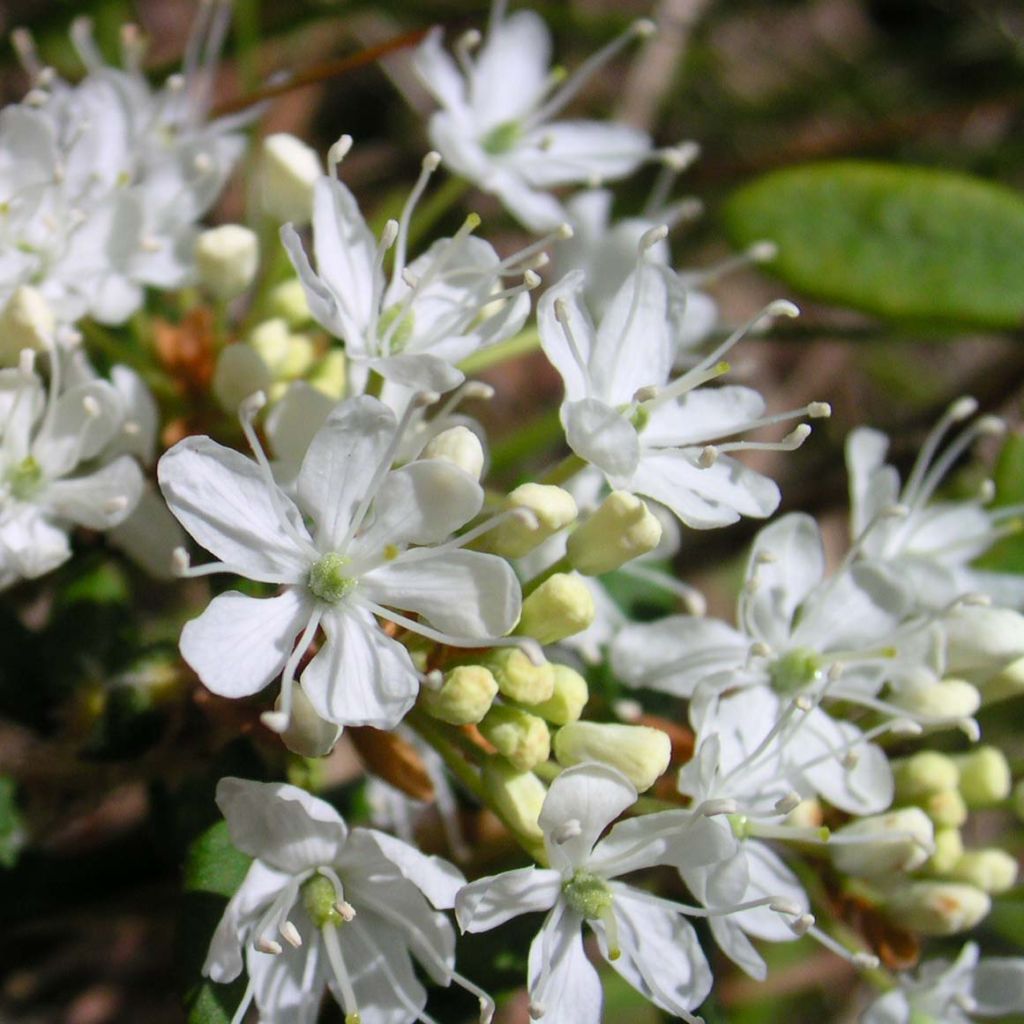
502,138
25,478
401,329
588,895
320,900
327,579
795,669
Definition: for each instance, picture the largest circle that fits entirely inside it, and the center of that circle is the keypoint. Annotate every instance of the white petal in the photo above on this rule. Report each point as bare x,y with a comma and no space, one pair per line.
769,876
438,72
553,338
240,643
98,500
284,988
703,415
489,902
323,306
572,151
75,434
438,880
420,370
360,676
340,464
284,826
603,436
892,1008
295,418
865,456
536,210
223,500
30,545
998,986
591,796
463,593
150,534
562,981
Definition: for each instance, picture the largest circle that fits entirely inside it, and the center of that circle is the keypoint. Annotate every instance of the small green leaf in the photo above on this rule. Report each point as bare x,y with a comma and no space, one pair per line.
902,242
12,830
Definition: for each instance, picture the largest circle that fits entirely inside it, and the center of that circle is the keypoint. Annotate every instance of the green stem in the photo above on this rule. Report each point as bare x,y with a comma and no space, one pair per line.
562,565
565,470
527,340
374,385
102,340
432,209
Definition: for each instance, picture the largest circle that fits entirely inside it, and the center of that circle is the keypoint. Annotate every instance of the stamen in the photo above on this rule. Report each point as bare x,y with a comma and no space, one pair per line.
561,310
278,721
269,946
341,975
243,1006
338,151
429,164
290,934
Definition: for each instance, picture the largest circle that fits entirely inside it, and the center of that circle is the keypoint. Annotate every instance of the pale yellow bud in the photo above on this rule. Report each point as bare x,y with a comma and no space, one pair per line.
937,908
523,739
922,774
949,848
288,171
240,372
25,322
288,301
568,699
226,260
464,698
1007,683
992,870
950,698
308,735
641,753
458,445
806,814
517,676
984,776
560,607
900,840
330,375
947,809
553,509
622,528
516,796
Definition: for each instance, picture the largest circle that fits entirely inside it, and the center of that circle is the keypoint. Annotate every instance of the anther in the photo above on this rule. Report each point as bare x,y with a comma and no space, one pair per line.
787,803
431,161
290,934
782,307
477,389
564,232
652,236
643,27
433,680
424,398
764,252
802,924
708,456
865,961
339,151
265,945
536,1011
345,910
567,830
963,408
819,410
645,394
531,279
275,721
784,906
803,702
114,505
180,561
91,406
723,805
678,158
131,428
252,405
389,234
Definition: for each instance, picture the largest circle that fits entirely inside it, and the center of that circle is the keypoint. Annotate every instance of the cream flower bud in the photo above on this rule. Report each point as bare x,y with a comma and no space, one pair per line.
949,848
985,777
641,753
288,171
308,735
923,774
553,509
517,676
938,908
516,796
568,699
330,375
464,698
226,260
521,738
901,840
26,321
983,640
460,446
240,372
288,301
560,607
991,870
947,809
622,528
806,814
950,698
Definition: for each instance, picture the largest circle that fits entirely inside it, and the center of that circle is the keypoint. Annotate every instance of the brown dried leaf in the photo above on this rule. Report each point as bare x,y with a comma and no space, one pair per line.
392,759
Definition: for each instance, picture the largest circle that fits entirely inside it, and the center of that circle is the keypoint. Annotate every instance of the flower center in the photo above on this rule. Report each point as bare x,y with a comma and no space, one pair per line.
396,325
327,579
794,670
502,138
320,899
588,895
24,478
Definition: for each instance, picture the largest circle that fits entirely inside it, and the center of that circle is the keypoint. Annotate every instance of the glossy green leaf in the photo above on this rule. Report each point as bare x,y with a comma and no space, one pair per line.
902,242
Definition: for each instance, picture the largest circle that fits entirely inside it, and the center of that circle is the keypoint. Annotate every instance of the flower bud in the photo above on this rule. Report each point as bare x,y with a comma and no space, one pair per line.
287,355
950,698
25,322
922,774
901,840
622,528
982,640
992,870
553,509
560,607
240,372
464,698
288,171
947,809
641,753
521,738
806,814
330,375
226,260
307,735
937,908
287,300
517,676
949,848
568,698
984,776
460,446
516,796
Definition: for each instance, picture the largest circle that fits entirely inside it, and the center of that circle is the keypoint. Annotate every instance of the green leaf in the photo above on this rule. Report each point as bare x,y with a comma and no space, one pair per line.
12,830
214,869
902,242
1007,555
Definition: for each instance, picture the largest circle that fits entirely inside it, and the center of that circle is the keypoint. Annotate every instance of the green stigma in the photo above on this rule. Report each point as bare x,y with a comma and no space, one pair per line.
587,895
327,578
502,138
795,669
25,478
401,329
320,900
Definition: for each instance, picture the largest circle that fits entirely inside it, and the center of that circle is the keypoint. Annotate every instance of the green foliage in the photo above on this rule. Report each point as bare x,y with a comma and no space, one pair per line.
11,829
1008,554
902,242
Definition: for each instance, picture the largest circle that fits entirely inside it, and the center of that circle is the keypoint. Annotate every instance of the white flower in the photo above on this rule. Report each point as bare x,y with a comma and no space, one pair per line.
102,183
413,326
953,993
643,937
495,127
57,467
325,907
376,543
647,435
929,543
